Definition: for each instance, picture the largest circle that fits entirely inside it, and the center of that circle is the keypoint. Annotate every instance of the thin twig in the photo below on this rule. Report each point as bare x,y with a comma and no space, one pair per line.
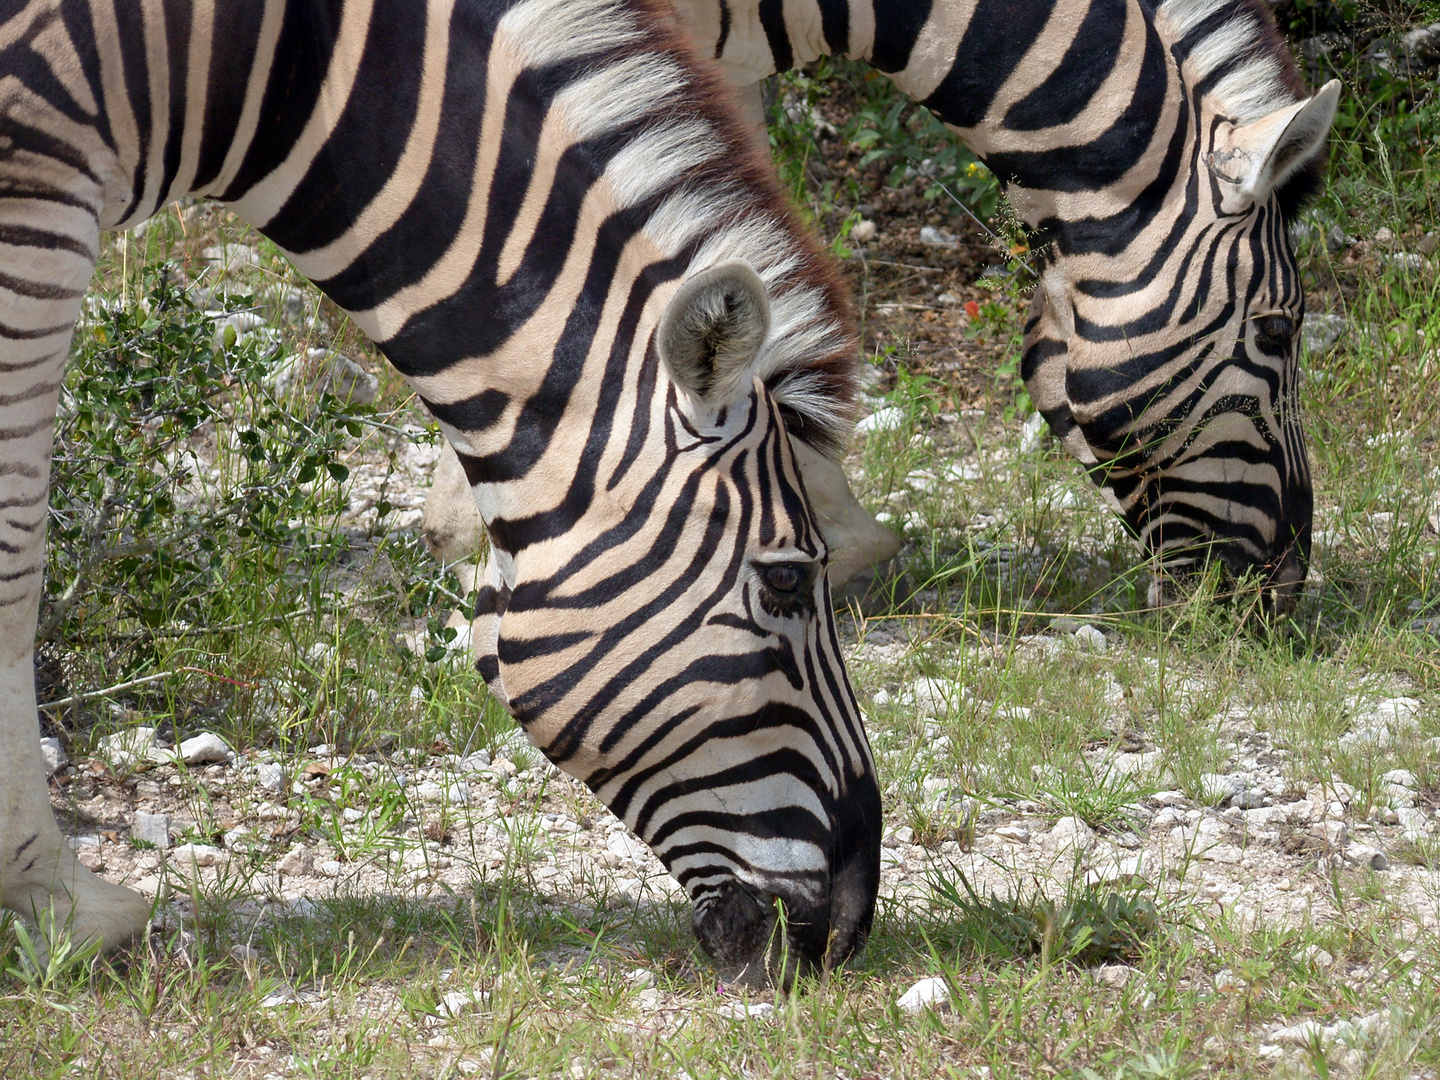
996,240
908,266
75,699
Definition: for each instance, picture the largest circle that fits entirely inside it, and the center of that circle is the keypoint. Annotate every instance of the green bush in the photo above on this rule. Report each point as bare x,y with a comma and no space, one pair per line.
177,475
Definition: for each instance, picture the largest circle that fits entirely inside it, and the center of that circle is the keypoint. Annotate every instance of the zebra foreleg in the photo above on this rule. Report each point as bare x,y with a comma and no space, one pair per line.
40,291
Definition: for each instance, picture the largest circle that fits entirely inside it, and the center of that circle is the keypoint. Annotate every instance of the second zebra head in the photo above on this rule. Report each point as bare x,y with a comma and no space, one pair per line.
1163,341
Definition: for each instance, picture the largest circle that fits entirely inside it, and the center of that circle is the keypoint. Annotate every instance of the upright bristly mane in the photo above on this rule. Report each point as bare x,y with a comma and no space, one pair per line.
688,145
1233,51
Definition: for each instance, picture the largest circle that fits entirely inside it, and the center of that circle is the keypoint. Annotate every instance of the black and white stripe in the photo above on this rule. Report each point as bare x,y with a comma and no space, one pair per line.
1155,149
546,215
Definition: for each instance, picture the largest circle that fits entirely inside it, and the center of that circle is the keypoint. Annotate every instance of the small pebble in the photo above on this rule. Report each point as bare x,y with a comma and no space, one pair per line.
927,993
204,749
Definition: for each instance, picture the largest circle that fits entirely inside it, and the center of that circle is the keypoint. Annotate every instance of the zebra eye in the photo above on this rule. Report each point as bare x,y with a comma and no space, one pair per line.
784,578
1273,333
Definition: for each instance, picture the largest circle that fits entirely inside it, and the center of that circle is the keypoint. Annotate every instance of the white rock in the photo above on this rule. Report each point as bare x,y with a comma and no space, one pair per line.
1264,816
1141,764
740,1010
54,756
151,829
1225,979
1343,792
480,759
1334,833
1016,834
640,978
1209,829
1115,869
126,748
1167,819
925,994
1070,834
297,862
228,256
864,231
1414,822
246,954
899,837
1092,638
1302,1034
1115,975
352,814
332,867
240,322
1302,811
621,846
1402,777
279,999
1216,788
187,855
457,1002
1228,854
933,237
204,748
323,370
1030,433
934,697
648,1000
887,419
1249,799
1366,856
1169,798
1314,954
271,777
1399,797
1401,713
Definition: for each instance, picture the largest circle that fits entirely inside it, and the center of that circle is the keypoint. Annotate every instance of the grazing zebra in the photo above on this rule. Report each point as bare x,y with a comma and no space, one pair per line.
1155,149
547,216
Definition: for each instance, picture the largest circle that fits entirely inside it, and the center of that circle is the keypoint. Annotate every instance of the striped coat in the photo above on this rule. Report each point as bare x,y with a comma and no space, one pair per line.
546,216
1155,149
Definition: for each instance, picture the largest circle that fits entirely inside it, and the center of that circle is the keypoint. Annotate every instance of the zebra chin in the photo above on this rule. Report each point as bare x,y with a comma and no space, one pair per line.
760,937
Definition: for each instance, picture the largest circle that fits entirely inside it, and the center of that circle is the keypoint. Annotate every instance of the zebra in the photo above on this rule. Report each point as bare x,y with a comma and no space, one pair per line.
549,219
1155,150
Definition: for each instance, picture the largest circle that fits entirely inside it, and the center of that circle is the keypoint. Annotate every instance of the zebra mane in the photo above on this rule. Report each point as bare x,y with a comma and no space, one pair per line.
1235,51
708,193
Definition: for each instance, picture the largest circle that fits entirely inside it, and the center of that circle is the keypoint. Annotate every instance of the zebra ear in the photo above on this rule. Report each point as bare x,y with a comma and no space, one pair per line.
713,329
1258,157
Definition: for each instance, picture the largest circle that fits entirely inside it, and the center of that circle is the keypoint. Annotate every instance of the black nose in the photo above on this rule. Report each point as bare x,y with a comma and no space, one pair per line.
761,937
857,874
1286,581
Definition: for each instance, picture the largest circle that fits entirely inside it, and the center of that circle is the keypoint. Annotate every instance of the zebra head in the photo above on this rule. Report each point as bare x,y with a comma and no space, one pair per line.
1163,341
676,650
